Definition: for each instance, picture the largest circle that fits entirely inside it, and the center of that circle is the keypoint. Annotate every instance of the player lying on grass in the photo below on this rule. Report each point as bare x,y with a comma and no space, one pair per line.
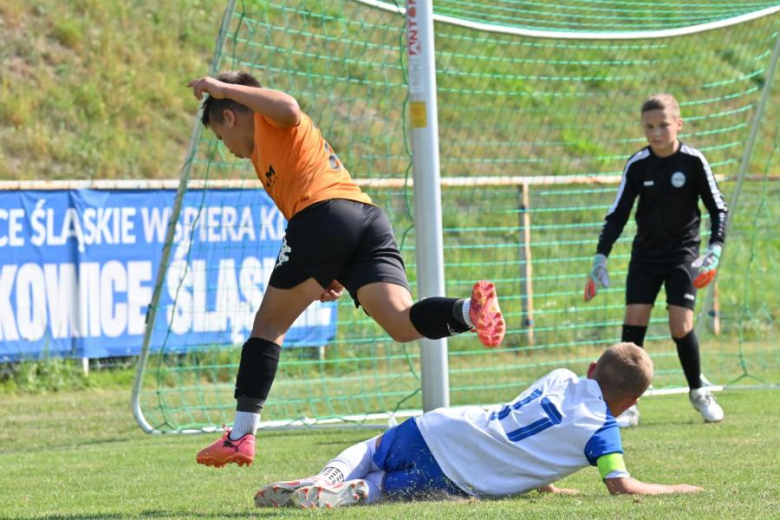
336,238
559,425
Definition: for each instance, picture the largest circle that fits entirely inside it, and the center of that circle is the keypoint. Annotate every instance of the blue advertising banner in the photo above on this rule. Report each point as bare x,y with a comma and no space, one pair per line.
78,267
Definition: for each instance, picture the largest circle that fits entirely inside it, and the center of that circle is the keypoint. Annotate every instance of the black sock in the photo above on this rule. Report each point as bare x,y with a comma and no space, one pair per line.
256,373
457,311
688,351
437,317
634,334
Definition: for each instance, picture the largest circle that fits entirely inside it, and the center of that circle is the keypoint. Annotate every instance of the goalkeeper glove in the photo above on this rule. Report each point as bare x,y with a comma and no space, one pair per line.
707,264
598,276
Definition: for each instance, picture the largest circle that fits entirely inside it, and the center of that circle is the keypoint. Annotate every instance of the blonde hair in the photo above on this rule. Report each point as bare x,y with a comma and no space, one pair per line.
623,369
661,101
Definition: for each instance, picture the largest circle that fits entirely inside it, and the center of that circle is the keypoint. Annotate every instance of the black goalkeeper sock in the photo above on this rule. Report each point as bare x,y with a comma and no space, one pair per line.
437,317
688,352
634,334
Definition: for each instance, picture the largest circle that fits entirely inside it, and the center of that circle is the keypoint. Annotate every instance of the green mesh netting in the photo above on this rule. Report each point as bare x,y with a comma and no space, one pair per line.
534,134
597,15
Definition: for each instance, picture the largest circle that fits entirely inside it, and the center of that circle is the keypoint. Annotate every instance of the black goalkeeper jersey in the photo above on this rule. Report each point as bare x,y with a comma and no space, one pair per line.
668,216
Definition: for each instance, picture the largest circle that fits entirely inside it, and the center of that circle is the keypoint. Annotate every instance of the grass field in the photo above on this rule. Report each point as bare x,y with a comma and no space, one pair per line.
79,455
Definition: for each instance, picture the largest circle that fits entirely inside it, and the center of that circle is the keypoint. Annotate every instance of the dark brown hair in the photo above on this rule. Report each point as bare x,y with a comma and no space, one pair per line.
212,107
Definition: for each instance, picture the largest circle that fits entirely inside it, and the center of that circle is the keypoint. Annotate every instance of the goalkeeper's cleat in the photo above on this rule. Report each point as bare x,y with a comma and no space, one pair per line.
629,418
328,496
590,290
705,404
704,278
485,314
227,451
280,493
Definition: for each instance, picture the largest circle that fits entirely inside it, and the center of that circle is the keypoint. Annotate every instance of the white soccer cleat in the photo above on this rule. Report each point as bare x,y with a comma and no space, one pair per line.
328,496
279,494
629,418
702,400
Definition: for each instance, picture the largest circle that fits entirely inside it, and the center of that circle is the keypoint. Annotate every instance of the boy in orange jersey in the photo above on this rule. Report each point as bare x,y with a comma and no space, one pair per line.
336,239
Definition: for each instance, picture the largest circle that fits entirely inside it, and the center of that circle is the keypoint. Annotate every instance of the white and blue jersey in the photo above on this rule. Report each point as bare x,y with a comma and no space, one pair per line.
556,427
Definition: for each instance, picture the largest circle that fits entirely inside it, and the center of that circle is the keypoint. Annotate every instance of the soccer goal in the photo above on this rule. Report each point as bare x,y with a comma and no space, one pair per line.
538,110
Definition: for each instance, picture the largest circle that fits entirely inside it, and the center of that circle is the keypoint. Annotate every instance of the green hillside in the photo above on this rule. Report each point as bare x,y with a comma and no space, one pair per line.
95,89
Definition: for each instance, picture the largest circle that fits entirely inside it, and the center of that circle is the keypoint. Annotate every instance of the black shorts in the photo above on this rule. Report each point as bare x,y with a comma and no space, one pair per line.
644,281
340,240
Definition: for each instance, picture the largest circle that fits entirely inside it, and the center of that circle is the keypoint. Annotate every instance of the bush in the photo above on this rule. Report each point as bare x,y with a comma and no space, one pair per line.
43,375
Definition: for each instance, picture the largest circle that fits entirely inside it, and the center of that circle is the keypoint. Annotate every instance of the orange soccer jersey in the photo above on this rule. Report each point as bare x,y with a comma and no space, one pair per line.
298,167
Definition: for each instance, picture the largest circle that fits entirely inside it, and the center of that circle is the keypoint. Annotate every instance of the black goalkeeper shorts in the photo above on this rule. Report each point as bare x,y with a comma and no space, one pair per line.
644,281
342,240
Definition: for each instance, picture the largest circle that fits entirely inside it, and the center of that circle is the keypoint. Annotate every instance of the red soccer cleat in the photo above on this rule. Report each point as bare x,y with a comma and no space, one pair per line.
486,315
226,451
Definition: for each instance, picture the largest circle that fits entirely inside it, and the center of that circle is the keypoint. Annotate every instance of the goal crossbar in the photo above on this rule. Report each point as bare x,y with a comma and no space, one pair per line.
584,35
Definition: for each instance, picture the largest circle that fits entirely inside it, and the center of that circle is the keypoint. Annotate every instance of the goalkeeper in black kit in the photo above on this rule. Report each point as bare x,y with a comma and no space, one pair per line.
669,178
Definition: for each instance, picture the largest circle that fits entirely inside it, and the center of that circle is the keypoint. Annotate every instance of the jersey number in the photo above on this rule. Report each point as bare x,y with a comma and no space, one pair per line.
553,417
335,162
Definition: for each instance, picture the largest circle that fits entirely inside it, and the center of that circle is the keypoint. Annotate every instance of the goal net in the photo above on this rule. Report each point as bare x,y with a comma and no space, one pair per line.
538,112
